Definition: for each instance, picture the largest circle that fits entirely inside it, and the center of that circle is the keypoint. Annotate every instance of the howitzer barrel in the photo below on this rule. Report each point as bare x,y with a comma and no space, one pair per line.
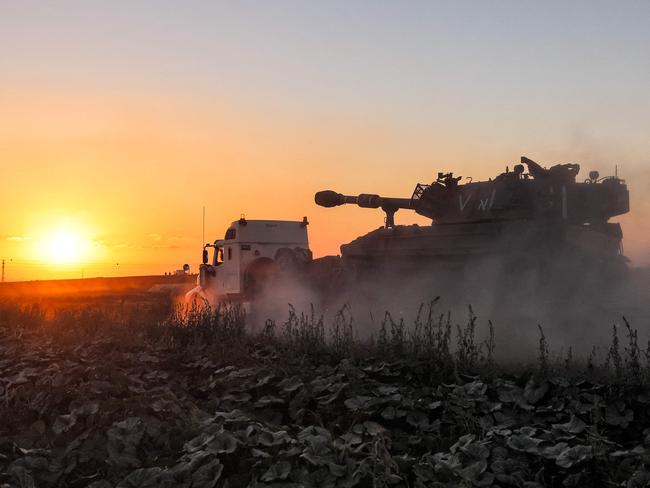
329,198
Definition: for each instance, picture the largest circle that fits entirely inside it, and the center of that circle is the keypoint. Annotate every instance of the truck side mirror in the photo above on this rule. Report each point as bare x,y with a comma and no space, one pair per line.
205,256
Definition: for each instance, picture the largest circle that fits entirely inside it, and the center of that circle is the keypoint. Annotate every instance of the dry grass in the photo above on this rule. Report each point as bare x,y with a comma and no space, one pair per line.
441,347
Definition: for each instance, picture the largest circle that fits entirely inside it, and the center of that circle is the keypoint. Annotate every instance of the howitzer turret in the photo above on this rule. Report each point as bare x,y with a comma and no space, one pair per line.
539,194
523,212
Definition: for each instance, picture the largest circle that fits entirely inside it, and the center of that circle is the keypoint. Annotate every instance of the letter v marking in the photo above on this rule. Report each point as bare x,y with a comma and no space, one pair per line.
463,204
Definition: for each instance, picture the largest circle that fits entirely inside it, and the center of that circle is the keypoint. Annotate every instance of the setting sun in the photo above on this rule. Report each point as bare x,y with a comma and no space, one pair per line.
65,245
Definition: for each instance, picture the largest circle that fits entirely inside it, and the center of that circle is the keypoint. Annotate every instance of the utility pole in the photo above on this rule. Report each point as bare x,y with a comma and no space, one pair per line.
4,262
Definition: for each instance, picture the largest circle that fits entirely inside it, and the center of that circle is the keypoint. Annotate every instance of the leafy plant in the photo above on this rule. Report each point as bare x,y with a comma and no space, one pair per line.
128,396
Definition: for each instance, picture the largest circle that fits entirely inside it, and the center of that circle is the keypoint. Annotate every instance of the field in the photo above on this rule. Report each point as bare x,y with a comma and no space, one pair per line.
134,392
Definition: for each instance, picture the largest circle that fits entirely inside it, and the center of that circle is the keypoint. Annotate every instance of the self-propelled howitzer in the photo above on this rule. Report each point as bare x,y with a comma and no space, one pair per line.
540,194
523,212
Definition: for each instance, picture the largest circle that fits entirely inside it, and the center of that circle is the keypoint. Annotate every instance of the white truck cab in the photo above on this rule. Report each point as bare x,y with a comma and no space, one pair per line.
244,258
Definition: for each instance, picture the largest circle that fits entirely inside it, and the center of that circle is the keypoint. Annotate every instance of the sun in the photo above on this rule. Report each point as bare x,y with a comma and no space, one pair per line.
65,245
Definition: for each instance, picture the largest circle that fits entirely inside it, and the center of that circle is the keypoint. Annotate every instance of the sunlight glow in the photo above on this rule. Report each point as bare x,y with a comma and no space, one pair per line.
65,245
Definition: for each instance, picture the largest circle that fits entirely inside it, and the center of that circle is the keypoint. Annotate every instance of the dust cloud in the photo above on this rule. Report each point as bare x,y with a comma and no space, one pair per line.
576,303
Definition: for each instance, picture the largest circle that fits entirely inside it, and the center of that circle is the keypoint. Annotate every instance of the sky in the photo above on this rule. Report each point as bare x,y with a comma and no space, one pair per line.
120,120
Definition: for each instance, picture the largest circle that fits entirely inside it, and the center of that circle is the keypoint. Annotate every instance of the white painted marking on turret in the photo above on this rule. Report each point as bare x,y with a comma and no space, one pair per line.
463,204
486,203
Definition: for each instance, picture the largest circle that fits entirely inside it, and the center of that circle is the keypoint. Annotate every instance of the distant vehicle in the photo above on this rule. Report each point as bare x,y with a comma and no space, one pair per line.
183,271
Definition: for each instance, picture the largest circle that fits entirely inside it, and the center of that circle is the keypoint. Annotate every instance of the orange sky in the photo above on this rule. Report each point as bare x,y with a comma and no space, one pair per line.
131,174
119,125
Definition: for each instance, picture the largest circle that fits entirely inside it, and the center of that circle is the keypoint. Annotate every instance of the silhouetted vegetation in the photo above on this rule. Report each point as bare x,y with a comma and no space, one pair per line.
152,394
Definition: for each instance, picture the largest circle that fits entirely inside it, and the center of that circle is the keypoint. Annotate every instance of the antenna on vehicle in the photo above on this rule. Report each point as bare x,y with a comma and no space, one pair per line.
616,171
203,235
